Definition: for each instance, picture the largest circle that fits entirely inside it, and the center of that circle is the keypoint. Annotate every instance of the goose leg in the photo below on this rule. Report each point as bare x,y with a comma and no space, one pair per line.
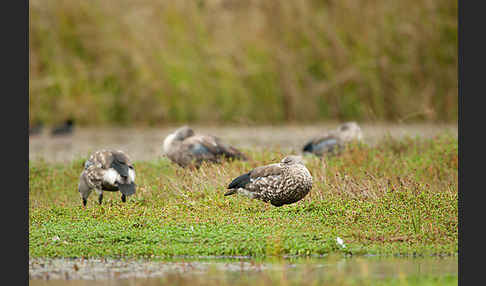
123,198
100,195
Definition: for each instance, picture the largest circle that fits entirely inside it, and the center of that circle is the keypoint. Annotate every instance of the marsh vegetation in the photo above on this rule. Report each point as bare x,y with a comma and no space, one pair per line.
399,197
155,62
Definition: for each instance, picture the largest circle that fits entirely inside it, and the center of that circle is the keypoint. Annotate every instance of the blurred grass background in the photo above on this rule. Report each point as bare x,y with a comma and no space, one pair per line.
155,62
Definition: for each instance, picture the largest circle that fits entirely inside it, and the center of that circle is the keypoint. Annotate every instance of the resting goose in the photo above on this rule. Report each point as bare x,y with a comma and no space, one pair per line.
186,148
334,140
107,170
281,183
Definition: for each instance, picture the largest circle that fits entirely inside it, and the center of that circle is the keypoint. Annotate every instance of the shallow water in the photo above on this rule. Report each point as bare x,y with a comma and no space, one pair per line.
133,272
146,143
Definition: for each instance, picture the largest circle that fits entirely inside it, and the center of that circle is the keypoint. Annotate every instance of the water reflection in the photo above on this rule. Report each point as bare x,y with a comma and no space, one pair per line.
232,270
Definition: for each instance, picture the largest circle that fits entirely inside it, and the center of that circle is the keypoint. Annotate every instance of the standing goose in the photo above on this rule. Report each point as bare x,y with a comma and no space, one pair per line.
334,140
185,148
107,170
281,183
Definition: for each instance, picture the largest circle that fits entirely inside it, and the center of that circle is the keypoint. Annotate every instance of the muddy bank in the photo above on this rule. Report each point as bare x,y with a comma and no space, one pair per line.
73,269
109,269
146,143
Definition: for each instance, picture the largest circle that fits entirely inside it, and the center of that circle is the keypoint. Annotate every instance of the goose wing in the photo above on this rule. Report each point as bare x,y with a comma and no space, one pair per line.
211,147
255,176
121,163
320,145
267,170
229,151
202,147
101,159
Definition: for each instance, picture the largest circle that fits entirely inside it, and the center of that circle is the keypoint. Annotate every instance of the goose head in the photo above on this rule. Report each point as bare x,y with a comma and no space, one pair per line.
177,136
350,131
293,159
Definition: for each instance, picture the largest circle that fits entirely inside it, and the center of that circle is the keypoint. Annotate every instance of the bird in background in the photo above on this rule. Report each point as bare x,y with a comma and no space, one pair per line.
107,170
333,142
186,148
36,128
66,128
280,183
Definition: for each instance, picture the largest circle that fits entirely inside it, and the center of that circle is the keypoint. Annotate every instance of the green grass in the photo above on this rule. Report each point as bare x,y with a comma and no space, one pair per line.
399,197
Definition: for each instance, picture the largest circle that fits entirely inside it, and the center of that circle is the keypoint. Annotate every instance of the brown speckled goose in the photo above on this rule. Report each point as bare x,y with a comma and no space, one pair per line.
334,140
186,148
107,170
281,183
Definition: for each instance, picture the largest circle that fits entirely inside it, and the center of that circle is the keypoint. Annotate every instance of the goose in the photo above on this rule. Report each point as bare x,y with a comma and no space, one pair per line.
36,128
280,183
334,140
186,148
64,129
107,170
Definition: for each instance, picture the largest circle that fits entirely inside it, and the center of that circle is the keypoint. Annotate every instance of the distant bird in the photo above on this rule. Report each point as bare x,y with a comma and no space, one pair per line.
281,183
64,129
107,170
334,140
36,128
186,148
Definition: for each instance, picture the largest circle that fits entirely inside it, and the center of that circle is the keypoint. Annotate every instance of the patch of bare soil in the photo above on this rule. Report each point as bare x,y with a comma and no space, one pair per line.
144,144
